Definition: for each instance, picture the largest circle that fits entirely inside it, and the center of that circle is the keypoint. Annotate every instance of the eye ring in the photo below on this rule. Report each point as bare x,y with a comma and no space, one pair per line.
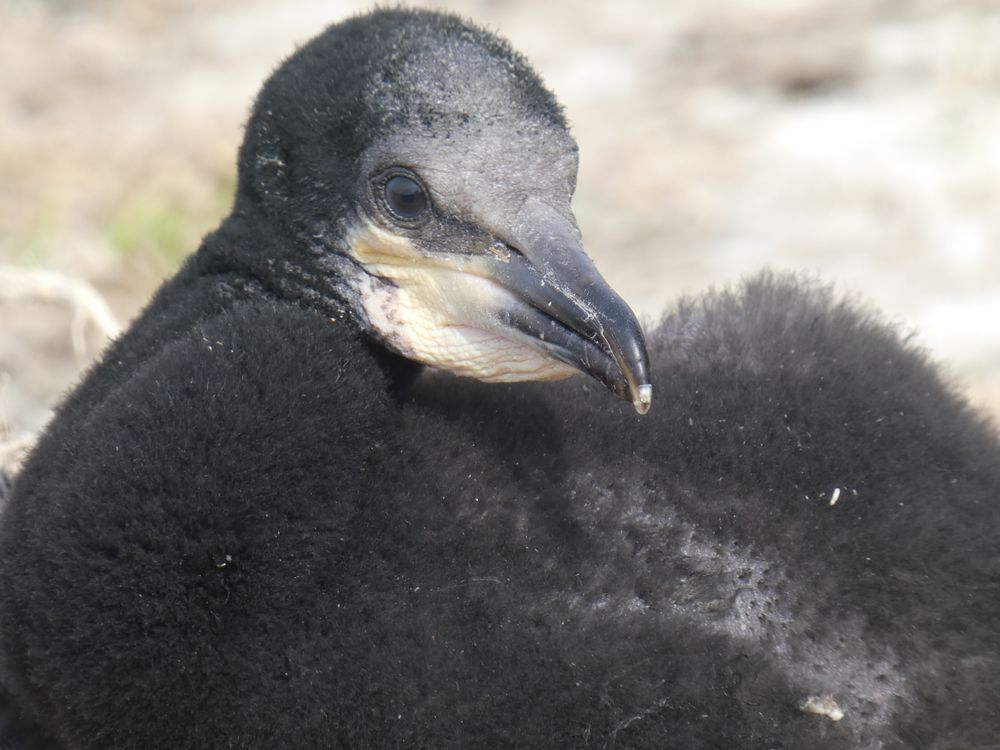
403,196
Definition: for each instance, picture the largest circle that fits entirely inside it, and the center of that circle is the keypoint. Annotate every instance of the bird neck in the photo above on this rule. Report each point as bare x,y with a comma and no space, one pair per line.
253,260
248,246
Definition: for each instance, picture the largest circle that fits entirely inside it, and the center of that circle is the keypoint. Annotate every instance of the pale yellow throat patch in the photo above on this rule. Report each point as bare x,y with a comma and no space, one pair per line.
439,310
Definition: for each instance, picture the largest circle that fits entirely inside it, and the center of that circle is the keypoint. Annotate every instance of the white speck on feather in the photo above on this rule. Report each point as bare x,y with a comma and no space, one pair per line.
835,496
822,705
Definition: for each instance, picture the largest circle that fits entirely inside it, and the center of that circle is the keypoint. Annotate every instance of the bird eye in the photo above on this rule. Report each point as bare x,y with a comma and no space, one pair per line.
405,197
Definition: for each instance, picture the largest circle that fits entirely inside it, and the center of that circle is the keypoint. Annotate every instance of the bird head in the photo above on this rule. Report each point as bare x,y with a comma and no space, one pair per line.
419,171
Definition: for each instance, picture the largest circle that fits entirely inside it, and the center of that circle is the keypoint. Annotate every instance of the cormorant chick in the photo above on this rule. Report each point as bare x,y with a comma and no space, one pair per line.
254,526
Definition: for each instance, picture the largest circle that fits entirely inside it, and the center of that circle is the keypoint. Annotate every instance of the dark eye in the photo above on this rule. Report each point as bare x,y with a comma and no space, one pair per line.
405,197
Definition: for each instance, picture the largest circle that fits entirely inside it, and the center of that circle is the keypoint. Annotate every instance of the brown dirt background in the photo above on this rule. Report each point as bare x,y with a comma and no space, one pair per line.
855,140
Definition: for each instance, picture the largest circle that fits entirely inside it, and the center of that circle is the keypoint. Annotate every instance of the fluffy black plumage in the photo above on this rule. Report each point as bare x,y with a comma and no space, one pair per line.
252,526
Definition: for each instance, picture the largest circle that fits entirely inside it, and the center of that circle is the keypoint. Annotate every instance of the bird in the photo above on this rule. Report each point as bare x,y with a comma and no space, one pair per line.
336,487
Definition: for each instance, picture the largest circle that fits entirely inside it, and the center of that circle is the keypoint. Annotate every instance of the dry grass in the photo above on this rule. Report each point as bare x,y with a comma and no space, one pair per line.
23,288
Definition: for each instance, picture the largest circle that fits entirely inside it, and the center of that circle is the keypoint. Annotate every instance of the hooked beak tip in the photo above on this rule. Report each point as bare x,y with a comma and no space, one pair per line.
642,398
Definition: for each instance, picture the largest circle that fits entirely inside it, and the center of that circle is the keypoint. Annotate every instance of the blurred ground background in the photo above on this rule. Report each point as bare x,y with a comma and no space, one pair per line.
858,140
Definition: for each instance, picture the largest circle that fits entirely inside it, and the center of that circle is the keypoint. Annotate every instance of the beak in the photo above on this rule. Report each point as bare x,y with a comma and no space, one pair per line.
568,308
531,307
